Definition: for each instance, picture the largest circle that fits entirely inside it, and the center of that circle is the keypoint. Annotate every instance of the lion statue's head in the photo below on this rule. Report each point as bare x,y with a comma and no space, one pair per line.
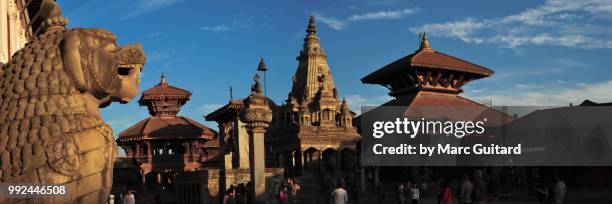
96,64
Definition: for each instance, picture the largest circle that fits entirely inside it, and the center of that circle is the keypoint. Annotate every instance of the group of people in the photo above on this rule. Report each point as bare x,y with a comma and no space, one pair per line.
236,194
408,193
288,191
469,191
552,193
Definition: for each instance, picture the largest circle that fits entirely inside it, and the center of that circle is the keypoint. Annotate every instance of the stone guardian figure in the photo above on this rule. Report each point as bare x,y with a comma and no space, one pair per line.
51,131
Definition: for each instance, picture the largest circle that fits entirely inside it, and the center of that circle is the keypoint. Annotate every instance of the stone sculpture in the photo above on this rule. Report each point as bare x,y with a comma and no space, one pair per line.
51,131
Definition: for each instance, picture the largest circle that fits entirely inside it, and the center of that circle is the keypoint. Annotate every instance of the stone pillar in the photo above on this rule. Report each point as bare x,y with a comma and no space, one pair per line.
242,149
149,152
299,167
320,161
138,151
226,159
224,146
257,116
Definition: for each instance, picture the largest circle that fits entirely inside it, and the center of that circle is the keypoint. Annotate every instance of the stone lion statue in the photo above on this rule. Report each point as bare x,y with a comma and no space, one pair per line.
51,131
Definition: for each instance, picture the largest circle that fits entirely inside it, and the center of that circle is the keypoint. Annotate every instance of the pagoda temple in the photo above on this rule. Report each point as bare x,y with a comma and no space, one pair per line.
165,144
428,83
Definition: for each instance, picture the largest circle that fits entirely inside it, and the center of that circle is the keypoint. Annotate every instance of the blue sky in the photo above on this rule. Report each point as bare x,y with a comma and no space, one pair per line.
543,52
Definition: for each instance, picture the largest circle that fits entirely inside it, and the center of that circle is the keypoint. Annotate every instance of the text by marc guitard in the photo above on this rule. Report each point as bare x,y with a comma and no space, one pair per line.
412,128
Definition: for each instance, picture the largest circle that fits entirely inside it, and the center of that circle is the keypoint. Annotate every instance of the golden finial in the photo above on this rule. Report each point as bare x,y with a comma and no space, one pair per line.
162,79
312,27
262,65
424,42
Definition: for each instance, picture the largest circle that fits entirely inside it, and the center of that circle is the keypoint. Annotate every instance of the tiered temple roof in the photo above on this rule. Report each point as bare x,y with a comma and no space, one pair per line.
428,81
164,102
427,69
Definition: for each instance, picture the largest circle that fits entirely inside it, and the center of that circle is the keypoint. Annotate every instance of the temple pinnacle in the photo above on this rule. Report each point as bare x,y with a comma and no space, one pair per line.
312,27
162,79
262,65
424,42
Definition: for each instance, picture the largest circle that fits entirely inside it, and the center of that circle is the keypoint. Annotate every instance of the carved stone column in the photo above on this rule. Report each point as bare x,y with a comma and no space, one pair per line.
149,152
257,116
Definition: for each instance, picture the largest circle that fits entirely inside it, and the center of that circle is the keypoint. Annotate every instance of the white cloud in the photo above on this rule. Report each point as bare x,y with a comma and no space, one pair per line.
330,21
142,7
217,28
565,23
342,23
235,25
558,93
383,14
460,29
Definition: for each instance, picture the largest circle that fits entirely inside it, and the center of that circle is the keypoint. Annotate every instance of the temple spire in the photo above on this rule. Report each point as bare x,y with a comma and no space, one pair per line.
231,93
162,79
424,42
262,65
312,27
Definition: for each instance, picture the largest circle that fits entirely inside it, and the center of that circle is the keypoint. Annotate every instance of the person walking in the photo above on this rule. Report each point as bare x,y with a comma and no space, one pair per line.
294,187
401,196
543,192
414,193
407,188
282,194
465,195
339,195
559,192
129,198
230,195
447,194
479,192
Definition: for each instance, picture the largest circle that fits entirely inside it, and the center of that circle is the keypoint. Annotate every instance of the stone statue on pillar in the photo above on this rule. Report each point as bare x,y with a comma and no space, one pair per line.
257,116
51,128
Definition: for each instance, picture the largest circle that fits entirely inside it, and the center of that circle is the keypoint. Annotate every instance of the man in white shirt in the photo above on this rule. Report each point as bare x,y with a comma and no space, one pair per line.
339,195
414,194
559,191
465,196
129,198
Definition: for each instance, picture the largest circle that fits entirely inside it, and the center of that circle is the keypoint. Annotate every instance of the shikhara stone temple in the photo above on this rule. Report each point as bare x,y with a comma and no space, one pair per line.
51,130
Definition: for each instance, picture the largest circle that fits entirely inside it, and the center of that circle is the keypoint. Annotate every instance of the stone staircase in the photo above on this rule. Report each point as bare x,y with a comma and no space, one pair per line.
312,189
